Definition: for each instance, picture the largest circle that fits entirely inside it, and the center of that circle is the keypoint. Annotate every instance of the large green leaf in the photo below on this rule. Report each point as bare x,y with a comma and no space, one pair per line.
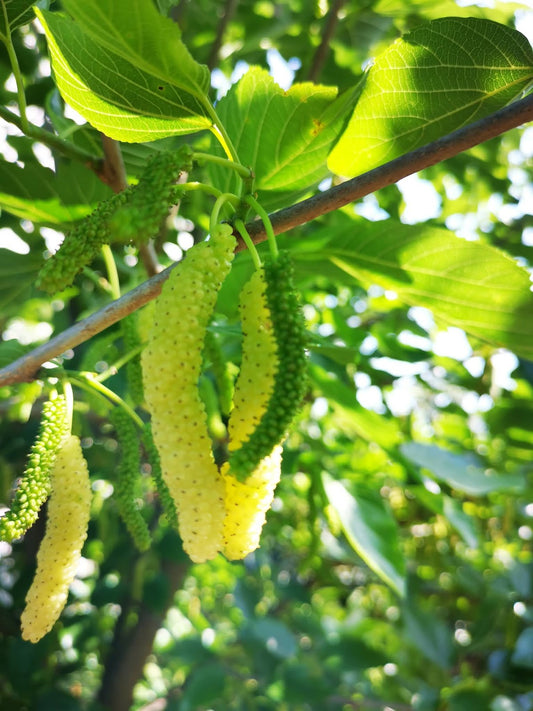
442,75
471,285
285,136
124,68
429,633
371,531
17,274
38,194
14,13
464,472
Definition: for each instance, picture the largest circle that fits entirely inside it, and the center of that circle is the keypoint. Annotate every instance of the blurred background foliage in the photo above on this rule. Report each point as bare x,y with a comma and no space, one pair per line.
409,470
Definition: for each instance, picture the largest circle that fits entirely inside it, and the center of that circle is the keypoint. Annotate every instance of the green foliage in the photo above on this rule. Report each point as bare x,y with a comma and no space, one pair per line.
289,146
394,567
370,530
471,285
129,94
419,77
132,343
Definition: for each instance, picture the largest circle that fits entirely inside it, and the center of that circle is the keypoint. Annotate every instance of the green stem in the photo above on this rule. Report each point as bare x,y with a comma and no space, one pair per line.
242,170
87,381
222,200
51,140
263,214
19,79
219,131
97,279
239,224
114,367
111,269
192,187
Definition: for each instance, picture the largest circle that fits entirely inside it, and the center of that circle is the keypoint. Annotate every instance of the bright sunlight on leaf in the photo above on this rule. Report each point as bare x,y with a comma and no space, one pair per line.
437,78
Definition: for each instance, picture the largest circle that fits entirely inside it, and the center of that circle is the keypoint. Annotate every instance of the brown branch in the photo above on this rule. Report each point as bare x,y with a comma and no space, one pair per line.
128,653
113,173
227,14
322,50
520,112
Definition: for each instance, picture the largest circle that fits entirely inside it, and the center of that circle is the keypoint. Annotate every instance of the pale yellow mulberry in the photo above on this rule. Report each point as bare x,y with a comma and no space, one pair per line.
60,550
171,365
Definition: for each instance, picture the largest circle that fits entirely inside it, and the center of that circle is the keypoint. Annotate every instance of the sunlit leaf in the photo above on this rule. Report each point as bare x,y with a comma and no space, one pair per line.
285,136
463,472
371,531
145,84
439,77
471,285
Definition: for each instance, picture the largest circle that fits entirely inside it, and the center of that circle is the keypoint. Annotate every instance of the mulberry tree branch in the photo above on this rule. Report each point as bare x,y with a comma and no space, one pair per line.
516,114
322,50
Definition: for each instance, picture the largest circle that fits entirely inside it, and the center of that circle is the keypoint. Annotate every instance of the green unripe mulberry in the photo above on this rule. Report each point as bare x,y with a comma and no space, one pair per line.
166,500
60,550
290,380
150,199
34,487
127,484
80,246
171,364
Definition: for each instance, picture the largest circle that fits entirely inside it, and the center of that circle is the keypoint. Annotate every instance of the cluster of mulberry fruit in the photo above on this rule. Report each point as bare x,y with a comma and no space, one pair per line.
219,505
222,509
133,215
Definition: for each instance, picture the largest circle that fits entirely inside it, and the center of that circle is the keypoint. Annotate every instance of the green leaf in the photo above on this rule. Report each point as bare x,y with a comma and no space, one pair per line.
371,531
285,136
435,79
274,635
17,274
204,687
13,14
429,633
38,194
464,472
145,84
471,285
453,511
523,651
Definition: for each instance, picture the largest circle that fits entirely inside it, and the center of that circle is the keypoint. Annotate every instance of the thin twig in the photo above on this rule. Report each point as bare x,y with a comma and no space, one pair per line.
322,50
227,14
520,112
113,173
